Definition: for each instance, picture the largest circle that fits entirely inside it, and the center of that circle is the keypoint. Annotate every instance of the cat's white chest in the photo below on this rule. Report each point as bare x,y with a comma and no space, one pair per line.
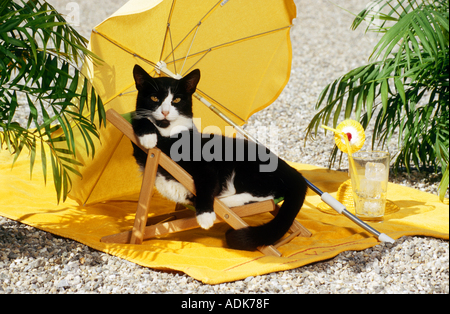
173,190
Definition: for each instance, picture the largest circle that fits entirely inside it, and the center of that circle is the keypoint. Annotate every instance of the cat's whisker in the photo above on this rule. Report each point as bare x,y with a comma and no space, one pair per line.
143,113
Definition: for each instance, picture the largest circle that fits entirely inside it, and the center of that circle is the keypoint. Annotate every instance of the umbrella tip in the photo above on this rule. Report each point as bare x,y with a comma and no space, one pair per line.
385,238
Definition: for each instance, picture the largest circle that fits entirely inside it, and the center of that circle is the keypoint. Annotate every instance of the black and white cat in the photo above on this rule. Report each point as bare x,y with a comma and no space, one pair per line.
164,116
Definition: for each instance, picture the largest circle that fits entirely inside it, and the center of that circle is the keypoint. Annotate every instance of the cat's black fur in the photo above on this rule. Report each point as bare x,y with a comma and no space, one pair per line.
213,178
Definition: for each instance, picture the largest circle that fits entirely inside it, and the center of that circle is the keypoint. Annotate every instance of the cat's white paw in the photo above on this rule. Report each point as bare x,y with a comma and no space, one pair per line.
149,141
206,220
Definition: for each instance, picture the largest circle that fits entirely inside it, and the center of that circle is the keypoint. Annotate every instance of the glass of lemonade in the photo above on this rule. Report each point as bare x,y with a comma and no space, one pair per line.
369,183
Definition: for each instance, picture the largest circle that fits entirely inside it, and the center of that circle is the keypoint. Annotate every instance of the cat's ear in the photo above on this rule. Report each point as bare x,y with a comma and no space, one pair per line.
140,77
191,81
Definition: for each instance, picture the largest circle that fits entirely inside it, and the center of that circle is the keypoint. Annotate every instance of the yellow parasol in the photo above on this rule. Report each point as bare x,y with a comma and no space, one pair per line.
242,48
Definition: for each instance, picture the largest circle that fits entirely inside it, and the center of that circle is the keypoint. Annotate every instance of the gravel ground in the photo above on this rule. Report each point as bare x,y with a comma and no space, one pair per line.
33,261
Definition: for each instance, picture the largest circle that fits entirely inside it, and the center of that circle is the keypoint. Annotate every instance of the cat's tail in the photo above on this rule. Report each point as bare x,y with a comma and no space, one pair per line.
253,237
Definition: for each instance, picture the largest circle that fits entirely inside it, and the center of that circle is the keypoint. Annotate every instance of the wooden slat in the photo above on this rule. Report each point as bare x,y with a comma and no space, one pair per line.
174,226
180,214
254,208
156,230
303,232
228,215
124,126
170,227
157,158
168,164
145,196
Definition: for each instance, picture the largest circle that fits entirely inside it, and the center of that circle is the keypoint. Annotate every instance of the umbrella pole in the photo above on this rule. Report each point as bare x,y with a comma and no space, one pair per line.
341,209
224,117
327,198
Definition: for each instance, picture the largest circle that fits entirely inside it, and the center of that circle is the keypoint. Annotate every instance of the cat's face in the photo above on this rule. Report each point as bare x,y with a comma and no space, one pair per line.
165,101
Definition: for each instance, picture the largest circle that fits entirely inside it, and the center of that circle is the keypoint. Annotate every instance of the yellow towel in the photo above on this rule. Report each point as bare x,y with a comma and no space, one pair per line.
203,254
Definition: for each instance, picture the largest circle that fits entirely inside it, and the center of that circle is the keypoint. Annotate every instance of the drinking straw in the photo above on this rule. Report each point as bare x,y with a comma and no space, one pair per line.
349,150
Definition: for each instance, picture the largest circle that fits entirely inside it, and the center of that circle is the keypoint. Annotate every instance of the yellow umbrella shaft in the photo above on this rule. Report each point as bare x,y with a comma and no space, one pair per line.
224,117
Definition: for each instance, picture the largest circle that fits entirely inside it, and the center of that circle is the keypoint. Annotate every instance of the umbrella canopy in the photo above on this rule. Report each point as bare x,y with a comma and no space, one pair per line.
242,48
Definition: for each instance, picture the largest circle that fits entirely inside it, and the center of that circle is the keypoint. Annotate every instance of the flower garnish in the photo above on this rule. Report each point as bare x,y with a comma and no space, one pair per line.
349,137
355,135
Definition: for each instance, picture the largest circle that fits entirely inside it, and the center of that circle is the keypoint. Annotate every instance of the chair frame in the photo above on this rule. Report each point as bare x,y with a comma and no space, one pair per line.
184,219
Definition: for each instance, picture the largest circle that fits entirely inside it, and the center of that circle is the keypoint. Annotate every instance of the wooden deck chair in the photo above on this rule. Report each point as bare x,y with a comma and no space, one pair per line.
183,219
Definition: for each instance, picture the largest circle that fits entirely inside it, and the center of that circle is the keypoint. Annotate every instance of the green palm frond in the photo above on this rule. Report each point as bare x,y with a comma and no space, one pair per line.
405,87
39,58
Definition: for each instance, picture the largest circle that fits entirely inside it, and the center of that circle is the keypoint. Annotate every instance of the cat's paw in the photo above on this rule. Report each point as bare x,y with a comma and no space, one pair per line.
206,220
149,141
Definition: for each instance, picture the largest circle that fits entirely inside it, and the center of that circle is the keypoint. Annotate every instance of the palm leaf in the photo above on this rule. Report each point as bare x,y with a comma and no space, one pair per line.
443,186
40,53
408,64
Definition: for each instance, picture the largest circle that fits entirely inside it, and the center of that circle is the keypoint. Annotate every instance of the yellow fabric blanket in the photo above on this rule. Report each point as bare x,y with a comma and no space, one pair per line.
203,254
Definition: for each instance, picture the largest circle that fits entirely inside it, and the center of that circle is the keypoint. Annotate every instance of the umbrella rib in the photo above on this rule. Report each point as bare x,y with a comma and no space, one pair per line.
192,42
205,52
215,101
169,31
232,43
195,27
201,58
124,48
173,51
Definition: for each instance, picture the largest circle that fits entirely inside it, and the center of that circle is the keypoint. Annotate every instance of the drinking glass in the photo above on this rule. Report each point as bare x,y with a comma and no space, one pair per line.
369,174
